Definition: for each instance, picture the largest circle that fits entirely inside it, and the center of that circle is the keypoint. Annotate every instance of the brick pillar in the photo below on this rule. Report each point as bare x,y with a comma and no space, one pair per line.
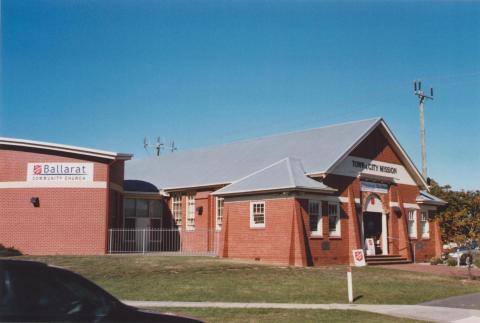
353,226
298,254
404,240
223,243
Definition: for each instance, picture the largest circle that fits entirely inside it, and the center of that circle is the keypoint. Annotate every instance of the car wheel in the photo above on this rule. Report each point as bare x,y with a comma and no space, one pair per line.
464,257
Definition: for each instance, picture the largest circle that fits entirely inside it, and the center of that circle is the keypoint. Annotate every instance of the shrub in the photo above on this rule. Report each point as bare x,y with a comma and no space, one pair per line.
452,262
8,251
435,261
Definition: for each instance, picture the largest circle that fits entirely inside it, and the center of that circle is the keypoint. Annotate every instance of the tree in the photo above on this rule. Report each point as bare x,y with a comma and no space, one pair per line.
460,220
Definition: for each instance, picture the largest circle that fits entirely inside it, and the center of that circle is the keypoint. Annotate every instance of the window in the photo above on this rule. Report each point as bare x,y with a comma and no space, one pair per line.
315,218
412,224
425,225
257,214
191,212
129,208
141,208
219,214
334,219
177,209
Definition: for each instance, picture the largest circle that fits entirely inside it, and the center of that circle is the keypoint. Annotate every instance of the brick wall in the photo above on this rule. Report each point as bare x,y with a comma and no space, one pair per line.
68,221
279,242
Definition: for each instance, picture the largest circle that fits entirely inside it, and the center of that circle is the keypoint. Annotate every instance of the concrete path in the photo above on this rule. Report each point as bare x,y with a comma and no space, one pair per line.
469,301
418,312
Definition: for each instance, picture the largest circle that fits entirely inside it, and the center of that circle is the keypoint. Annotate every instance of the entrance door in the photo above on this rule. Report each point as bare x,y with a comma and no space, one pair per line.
142,236
372,228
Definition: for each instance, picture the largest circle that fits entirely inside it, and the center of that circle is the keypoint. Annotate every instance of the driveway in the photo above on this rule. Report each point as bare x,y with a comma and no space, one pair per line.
438,269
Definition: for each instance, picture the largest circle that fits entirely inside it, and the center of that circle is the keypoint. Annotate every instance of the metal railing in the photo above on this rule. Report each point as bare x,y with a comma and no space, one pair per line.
201,242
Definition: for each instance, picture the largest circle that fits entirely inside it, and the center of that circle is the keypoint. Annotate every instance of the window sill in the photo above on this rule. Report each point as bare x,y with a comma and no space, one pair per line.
257,228
316,236
335,237
426,238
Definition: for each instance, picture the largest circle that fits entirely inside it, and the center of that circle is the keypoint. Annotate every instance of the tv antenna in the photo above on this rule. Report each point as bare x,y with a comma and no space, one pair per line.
158,145
417,86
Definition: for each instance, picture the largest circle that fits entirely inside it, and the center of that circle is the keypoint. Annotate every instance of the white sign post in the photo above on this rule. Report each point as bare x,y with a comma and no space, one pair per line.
358,257
350,285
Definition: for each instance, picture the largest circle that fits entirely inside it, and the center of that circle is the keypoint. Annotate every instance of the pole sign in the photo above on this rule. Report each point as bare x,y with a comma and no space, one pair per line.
370,247
358,257
60,172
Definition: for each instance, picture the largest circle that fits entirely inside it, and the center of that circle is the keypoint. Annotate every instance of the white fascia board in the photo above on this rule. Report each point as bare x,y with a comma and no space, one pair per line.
272,190
405,156
63,148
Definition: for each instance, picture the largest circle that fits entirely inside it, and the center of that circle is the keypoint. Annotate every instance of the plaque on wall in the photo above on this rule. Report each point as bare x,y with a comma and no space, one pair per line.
325,245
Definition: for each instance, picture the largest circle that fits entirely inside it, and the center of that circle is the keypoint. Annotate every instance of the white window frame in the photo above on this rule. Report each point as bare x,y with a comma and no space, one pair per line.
252,214
318,214
190,217
337,233
177,209
412,220
424,224
219,206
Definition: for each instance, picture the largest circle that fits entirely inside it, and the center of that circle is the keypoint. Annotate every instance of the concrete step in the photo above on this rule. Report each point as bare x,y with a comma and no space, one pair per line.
395,262
386,260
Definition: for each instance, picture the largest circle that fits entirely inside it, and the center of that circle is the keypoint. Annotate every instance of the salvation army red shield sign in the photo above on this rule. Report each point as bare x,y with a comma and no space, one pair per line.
358,257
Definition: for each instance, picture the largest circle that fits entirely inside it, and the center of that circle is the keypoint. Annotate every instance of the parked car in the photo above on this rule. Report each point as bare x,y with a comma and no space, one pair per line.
36,292
463,253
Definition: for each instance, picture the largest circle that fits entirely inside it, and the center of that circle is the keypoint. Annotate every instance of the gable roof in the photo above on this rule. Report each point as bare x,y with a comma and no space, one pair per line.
41,145
223,164
286,174
320,151
427,198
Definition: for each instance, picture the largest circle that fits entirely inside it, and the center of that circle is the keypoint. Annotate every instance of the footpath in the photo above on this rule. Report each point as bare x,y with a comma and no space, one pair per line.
418,312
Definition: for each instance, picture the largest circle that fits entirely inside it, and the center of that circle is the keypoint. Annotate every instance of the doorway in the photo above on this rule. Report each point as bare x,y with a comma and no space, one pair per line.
372,228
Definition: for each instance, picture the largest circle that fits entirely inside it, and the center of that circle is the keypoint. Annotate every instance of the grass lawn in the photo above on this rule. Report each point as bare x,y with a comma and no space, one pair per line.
277,315
211,279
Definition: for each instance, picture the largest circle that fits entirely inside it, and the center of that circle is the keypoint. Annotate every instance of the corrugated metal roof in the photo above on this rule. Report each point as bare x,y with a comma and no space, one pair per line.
428,198
287,173
318,149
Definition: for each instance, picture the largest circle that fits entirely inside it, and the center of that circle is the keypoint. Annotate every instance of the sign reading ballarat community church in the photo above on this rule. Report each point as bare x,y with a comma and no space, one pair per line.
60,172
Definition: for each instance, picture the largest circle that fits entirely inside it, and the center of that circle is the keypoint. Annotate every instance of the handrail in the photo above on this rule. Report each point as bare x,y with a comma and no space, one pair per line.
413,243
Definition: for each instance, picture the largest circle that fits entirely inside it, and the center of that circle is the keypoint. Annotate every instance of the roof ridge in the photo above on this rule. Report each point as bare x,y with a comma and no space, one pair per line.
204,148
258,171
290,172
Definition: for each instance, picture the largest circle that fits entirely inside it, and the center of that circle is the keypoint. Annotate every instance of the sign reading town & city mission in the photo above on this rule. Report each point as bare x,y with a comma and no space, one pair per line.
60,172
354,166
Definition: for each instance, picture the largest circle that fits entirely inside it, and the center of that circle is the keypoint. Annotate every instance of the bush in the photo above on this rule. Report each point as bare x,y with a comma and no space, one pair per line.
8,251
435,261
452,262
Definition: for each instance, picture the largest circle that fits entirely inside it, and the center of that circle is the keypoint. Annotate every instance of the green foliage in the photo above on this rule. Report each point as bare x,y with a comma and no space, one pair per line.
8,252
460,220
452,262
436,261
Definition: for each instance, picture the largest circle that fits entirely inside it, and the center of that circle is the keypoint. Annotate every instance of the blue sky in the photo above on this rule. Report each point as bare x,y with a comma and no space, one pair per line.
104,74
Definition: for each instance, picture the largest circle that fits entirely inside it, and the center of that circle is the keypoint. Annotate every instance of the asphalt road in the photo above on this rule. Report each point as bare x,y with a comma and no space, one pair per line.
469,301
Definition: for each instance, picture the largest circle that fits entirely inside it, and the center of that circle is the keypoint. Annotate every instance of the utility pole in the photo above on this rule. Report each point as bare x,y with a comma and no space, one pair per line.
417,85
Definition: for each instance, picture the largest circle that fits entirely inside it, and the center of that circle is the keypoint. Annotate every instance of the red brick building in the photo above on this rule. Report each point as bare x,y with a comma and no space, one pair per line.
302,198
57,199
